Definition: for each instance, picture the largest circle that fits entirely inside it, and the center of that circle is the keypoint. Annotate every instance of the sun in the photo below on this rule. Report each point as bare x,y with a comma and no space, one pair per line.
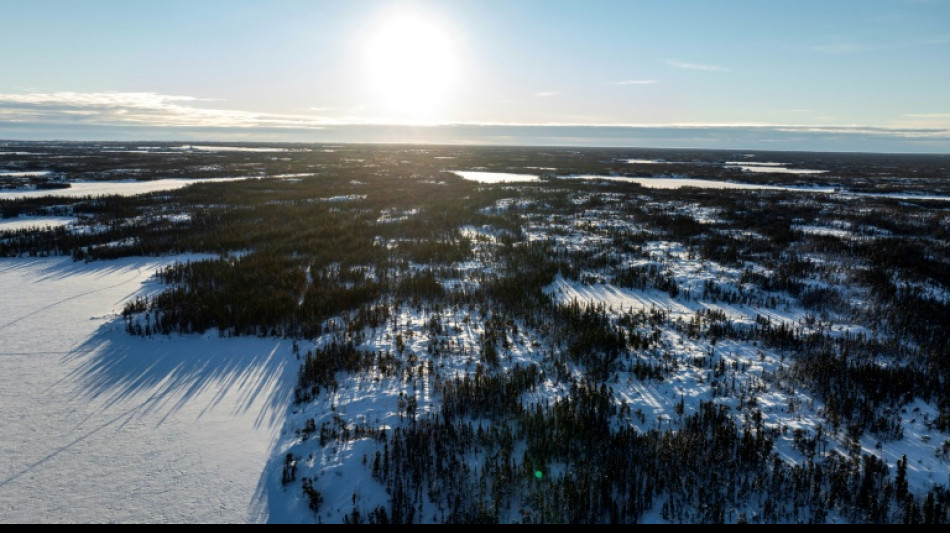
411,65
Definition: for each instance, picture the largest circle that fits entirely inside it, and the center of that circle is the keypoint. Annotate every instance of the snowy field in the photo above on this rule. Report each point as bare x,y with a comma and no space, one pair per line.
99,426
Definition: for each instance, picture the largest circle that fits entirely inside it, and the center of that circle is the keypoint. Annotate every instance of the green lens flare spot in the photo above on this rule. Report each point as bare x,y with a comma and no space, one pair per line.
538,474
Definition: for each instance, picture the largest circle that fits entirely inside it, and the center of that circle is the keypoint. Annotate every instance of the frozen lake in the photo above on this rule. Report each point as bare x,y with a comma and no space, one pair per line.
28,174
101,427
679,183
651,183
111,188
768,167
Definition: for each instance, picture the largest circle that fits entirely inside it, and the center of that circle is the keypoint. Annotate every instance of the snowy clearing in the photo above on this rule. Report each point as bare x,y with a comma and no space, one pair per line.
495,177
20,223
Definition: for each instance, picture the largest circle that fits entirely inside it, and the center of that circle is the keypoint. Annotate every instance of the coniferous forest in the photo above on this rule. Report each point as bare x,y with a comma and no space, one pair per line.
579,347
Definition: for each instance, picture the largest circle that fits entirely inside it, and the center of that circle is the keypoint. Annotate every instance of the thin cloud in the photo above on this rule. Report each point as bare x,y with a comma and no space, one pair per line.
546,94
142,109
697,66
840,129
638,82
182,113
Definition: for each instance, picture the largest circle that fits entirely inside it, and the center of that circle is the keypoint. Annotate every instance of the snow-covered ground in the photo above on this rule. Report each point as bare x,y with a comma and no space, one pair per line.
99,426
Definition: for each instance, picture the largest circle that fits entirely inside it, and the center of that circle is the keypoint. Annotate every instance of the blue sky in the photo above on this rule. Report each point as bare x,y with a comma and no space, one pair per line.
850,75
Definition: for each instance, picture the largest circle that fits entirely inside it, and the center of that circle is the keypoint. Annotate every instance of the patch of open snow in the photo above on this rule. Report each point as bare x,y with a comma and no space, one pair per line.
614,298
754,164
343,198
388,216
494,177
293,176
821,230
27,174
24,222
900,196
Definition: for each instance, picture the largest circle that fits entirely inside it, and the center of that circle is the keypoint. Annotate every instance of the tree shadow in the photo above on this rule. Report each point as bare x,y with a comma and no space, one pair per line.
240,374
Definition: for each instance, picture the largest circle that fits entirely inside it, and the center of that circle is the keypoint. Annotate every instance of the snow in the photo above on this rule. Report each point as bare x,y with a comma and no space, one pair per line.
495,177
614,298
79,189
233,149
343,198
390,216
295,177
902,196
821,230
99,426
752,164
25,222
678,183
928,465
776,168
30,174
144,151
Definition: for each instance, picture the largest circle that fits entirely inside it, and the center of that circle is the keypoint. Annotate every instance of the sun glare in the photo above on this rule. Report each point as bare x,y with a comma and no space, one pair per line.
411,65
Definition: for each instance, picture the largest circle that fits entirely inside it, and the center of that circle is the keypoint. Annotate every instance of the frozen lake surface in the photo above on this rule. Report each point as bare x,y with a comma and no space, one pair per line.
678,183
27,174
110,188
99,426
768,167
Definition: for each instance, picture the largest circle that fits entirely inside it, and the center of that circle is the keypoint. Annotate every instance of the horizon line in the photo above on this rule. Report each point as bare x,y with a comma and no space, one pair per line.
4,141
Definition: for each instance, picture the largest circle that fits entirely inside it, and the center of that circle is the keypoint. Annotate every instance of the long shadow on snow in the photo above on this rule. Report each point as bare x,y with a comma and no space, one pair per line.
173,372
